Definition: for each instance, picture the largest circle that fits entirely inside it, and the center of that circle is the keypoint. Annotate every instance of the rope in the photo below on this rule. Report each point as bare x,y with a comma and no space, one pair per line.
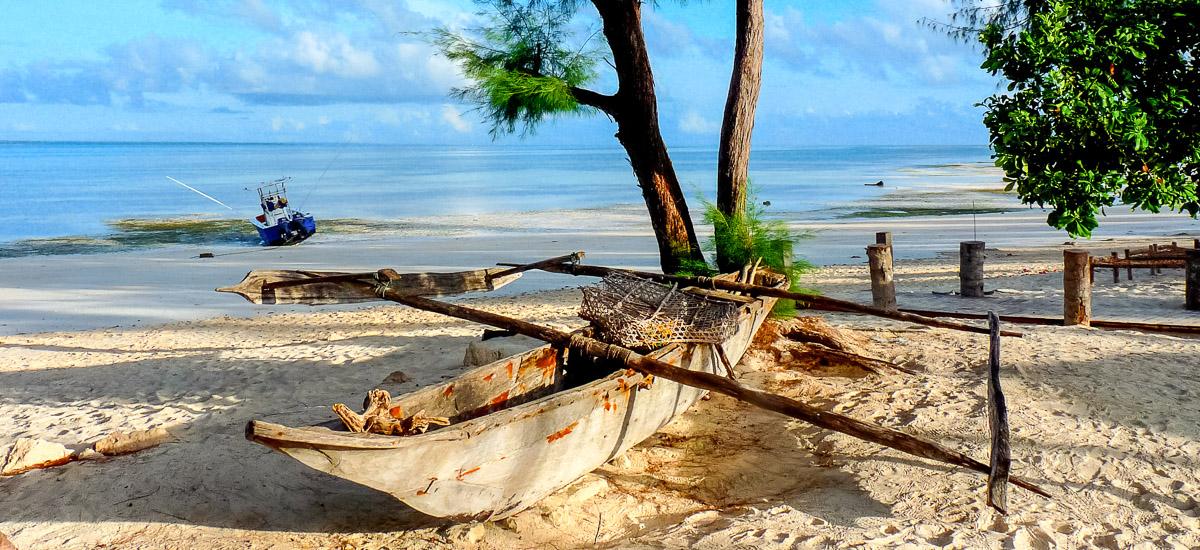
341,149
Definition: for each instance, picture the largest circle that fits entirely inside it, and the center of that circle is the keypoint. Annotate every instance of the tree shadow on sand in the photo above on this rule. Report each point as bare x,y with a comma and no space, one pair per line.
210,475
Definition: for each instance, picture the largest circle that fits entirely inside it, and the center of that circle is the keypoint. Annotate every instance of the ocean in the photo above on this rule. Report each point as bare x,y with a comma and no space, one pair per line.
66,197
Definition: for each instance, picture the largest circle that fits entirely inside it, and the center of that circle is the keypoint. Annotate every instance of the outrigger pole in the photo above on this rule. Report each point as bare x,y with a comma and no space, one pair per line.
201,193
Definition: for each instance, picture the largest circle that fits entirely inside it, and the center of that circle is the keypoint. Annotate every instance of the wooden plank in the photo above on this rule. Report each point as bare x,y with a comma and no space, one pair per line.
1001,454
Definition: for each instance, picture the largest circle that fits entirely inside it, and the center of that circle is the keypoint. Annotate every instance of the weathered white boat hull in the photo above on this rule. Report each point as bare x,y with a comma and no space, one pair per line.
499,463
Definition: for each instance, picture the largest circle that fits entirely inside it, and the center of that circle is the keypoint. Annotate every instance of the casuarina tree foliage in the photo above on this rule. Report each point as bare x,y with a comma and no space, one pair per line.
532,61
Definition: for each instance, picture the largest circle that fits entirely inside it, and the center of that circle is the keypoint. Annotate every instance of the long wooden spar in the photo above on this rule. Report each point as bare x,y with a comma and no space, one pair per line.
784,405
808,300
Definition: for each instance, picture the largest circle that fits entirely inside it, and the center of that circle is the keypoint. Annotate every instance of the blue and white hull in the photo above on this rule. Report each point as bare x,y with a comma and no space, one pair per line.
286,230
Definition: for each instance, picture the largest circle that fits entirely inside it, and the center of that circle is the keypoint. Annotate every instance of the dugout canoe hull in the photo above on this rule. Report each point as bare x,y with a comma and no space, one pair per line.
501,455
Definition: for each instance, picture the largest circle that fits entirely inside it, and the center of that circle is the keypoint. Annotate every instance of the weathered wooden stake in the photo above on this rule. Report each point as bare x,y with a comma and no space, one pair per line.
1129,268
1116,270
885,237
1077,288
1154,254
883,286
1196,243
1192,289
1001,455
970,269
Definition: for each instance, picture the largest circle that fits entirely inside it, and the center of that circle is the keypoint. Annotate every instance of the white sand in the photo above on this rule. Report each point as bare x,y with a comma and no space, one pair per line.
44,293
1108,420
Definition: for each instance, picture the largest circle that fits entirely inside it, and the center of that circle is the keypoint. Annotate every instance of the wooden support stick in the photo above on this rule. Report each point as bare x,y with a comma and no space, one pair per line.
970,269
811,301
1116,270
1153,255
572,257
883,285
1077,287
1192,285
884,237
787,406
1128,268
1057,322
1001,455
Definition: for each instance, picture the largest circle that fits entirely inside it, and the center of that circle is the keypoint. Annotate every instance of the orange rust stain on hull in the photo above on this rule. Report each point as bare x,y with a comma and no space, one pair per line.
561,433
509,369
461,475
489,377
499,399
448,391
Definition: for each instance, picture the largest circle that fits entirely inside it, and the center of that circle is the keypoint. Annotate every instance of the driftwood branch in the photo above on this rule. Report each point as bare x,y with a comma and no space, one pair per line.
1001,457
833,357
811,301
784,405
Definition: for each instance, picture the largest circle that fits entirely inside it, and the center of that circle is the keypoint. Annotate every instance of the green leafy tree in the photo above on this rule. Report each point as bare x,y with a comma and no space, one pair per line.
531,62
1101,104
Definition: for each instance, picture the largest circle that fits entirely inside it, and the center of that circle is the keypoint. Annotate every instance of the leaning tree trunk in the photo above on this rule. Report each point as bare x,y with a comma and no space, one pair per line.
733,157
635,110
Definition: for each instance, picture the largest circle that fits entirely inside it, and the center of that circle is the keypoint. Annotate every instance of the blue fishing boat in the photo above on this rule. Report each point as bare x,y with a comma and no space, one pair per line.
279,224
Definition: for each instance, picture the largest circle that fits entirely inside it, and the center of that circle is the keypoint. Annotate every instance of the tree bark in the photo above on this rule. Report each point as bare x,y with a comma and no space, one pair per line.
635,109
733,156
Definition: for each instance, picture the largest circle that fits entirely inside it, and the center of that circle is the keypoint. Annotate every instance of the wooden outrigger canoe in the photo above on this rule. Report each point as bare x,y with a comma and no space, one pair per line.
520,428
278,287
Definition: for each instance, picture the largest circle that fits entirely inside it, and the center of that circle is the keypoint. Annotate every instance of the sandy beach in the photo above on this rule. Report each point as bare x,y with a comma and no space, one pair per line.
1107,420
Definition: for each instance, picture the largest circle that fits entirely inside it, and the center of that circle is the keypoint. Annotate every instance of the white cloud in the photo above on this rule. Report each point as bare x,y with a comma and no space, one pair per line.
452,117
693,123
333,54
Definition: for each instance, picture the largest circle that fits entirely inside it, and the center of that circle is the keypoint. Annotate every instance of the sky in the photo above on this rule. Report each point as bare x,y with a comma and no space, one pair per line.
837,72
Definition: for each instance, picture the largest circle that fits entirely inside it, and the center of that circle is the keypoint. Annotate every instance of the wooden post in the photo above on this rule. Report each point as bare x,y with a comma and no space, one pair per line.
885,237
1128,268
1196,243
883,287
1192,289
1001,454
1116,270
1153,254
970,269
1077,288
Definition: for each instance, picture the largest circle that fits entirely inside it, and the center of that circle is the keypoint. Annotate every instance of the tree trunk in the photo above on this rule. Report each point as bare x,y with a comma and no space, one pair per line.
635,111
733,157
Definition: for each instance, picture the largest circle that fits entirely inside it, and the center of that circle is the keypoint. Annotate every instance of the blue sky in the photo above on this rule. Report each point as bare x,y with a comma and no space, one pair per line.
836,72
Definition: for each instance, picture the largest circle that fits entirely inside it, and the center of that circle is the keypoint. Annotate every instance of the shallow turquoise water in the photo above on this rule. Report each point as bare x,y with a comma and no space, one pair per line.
60,198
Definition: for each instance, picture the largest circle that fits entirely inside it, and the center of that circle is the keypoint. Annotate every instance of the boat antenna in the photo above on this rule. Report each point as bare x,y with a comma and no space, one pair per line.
201,193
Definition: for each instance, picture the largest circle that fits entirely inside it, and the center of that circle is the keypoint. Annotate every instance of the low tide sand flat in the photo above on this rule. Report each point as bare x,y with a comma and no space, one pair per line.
1107,419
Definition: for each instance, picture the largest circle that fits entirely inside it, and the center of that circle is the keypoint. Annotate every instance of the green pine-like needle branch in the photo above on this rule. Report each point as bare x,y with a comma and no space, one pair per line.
751,236
1102,105
519,70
